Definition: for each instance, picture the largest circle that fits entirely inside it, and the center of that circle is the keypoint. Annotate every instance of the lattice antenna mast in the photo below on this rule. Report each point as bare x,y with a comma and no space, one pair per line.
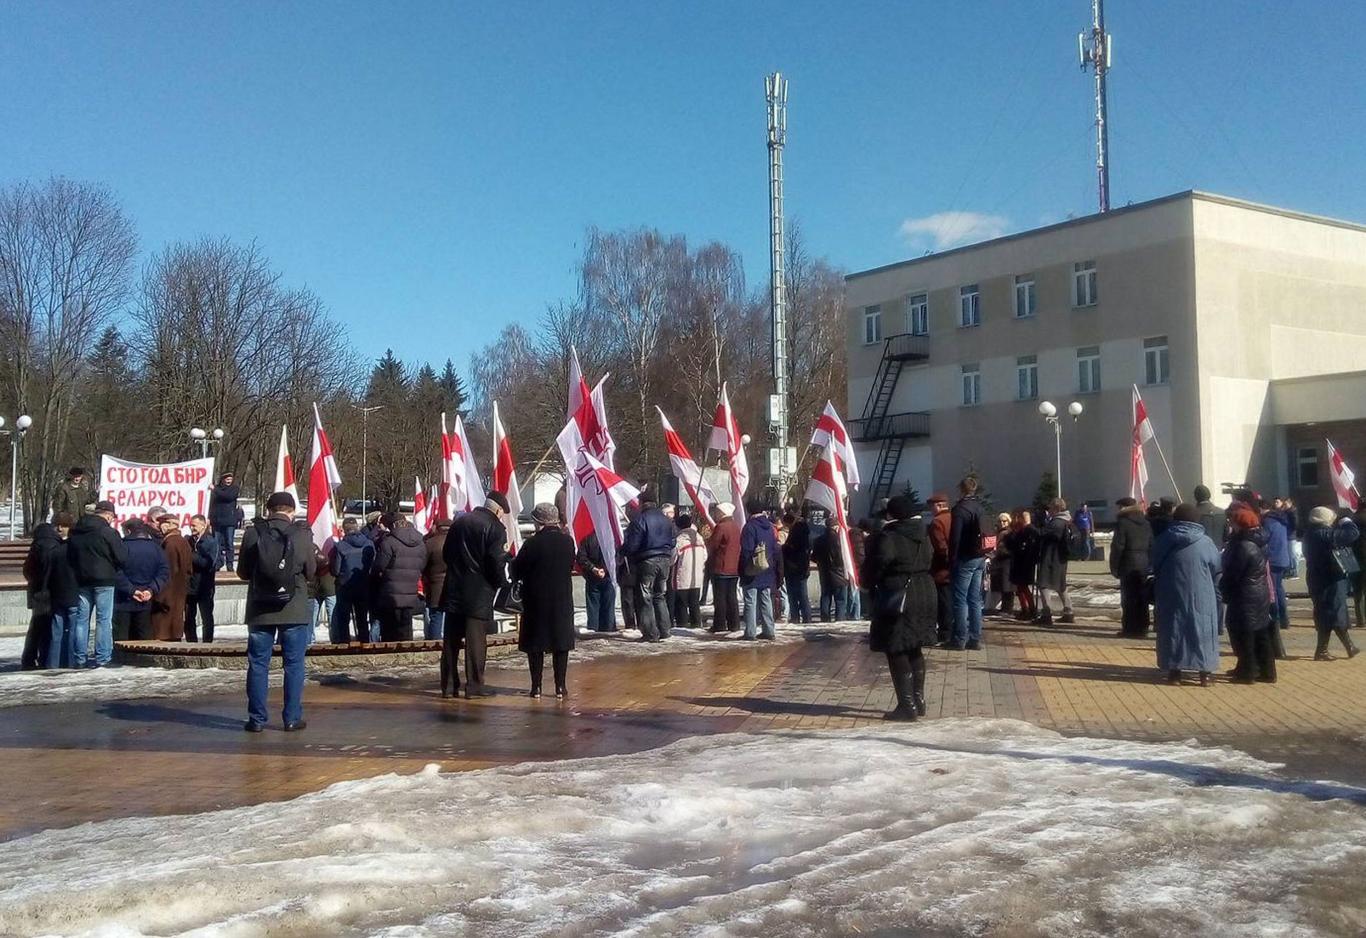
1094,50
775,88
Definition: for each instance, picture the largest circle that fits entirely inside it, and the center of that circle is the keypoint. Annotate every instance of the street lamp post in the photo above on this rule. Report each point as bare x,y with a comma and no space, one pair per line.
365,454
204,438
20,428
1050,414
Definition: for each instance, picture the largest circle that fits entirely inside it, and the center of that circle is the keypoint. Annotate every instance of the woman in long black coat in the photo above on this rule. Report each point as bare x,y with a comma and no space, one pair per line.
1247,598
544,567
896,570
1023,544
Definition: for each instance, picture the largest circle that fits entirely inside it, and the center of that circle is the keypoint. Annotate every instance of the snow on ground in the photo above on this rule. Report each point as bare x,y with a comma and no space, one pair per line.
980,827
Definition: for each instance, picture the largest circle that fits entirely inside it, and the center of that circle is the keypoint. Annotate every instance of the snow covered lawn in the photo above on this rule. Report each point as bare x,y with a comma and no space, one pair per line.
980,827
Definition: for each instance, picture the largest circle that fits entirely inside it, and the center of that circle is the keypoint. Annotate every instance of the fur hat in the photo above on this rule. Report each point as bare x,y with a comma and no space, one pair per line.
1323,517
545,514
280,500
725,510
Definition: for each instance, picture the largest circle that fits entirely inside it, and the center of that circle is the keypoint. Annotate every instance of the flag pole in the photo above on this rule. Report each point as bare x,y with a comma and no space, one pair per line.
331,493
1176,489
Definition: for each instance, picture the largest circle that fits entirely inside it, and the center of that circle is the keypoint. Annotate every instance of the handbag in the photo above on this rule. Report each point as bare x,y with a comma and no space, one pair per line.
1346,560
509,599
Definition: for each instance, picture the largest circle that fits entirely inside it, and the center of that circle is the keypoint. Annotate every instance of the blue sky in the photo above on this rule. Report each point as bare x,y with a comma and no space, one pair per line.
429,169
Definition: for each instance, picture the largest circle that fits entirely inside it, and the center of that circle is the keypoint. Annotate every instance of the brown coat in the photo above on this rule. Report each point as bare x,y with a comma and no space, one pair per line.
723,548
434,570
939,541
168,606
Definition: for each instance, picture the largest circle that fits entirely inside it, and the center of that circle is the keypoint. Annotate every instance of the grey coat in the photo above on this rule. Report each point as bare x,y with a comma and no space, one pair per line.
1186,601
298,611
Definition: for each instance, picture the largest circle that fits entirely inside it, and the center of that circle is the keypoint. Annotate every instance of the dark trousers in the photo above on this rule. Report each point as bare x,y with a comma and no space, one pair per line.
559,662
726,611
452,636
227,544
37,642
688,607
600,600
629,593
395,623
798,600
1256,653
202,606
1133,603
652,604
351,606
476,635
943,617
132,625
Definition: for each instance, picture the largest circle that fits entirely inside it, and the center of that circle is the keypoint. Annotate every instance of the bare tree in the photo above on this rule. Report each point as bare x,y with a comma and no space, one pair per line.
66,256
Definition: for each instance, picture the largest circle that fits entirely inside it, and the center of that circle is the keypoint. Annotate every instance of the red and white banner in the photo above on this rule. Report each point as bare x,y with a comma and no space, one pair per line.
831,434
460,485
726,437
591,484
827,489
578,388
505,481
284,468
323,480
687,471
1344,479
422,516
1142,433
182,488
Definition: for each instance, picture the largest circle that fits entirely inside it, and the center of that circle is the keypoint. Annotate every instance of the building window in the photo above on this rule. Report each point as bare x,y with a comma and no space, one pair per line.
1027,377
918,314
1025,300
972,385
1156,360
872,325
1084,283
1307,467
969,306
1088,369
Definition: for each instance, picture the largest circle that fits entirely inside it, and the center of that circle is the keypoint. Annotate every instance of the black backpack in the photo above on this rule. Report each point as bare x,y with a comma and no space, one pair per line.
272,578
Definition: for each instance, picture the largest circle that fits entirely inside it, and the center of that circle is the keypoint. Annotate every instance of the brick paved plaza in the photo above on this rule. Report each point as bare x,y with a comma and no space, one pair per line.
70,763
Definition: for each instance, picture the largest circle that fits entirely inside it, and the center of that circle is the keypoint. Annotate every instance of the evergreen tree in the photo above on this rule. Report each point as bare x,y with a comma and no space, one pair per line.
453,391
387,377
1046,492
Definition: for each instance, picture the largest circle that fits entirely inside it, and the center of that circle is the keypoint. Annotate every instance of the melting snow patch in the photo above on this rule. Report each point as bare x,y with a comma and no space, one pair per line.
981,827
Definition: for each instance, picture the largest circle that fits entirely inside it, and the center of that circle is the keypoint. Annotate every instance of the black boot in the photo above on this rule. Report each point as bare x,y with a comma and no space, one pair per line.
903,685
918,685
1277,645
1346,640
1321,649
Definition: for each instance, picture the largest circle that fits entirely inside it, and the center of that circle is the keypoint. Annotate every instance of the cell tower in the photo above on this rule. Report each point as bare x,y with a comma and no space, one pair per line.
775,87
1095,53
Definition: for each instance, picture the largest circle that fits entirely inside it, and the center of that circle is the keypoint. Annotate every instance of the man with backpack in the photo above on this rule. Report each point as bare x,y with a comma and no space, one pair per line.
968,562
277,562
1059,539
761,570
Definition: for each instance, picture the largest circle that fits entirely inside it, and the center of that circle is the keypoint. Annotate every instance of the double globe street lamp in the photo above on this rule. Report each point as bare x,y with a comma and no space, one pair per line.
204,437
21,426
1050,414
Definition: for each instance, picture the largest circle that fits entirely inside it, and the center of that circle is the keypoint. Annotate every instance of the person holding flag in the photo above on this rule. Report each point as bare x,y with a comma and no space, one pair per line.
476,569
726,437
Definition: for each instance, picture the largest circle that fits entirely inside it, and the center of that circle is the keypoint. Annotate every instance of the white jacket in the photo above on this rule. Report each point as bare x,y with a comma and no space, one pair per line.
690,560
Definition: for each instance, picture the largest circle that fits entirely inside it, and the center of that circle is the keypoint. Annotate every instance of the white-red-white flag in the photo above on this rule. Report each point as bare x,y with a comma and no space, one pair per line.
422,516
831,434
1142,433
827,488
583,438
284,468
461,488
726,437
1344,479
685,469
323,480
505,481
578,388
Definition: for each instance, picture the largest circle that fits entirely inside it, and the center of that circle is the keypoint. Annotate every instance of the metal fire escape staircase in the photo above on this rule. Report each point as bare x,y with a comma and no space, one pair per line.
891,430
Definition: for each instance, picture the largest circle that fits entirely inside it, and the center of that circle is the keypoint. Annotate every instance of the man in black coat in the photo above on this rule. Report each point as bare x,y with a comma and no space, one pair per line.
224,517
797,568
1212,518
967,564
476,568
649,547
1130,563
97,556
206,559
599,592
52,597
399,562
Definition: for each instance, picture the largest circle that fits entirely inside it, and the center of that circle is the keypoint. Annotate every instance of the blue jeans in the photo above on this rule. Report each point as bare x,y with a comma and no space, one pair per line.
1280,614
62,652
101,600
798,601
967,600
600,600
758,611
318,603
833,600
260,642
227,544
853,605
434,628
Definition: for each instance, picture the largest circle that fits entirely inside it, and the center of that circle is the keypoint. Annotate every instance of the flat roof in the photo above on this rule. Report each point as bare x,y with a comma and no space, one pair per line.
1123,210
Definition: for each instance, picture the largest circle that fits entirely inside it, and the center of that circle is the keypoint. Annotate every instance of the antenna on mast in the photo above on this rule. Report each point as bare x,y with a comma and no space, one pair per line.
1096,55
775,90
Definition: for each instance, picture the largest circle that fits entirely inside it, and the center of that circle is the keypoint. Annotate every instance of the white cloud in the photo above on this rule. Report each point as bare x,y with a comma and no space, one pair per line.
944,230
